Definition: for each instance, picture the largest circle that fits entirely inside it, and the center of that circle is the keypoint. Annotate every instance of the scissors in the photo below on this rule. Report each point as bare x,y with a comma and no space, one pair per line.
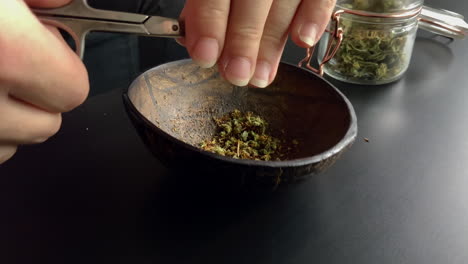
78,19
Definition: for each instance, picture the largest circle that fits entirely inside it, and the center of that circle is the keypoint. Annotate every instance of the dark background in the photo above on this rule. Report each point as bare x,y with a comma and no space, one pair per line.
94,194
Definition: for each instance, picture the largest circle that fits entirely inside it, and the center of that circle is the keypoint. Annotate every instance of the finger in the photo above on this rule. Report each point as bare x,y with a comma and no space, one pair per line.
47,3
274,38
205,27
37,66
6,152
245,29
181,40
310,22
25,124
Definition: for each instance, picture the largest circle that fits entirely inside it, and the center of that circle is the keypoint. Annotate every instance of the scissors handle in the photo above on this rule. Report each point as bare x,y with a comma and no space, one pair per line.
81,8
78,19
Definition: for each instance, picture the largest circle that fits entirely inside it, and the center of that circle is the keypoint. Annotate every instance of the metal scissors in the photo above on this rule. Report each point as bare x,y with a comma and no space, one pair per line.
78,19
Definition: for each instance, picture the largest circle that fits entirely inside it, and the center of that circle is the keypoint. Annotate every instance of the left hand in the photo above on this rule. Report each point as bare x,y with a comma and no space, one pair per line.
247,37
40,76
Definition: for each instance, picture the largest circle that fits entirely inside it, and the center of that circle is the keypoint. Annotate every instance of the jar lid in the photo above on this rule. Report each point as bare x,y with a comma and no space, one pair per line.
380,6
443,22
438,21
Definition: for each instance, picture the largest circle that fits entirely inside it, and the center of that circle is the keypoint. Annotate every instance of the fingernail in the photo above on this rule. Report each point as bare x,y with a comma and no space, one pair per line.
262,74
205,53
238,71
308,33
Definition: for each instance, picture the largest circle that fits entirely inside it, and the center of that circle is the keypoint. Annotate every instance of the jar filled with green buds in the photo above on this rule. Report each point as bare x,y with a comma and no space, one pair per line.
371,41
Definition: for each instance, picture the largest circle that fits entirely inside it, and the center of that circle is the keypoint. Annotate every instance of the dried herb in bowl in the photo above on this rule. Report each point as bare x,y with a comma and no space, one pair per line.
373,50
244,136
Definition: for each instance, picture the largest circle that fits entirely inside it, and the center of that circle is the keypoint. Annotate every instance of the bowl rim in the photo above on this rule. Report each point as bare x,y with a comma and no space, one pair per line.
349,137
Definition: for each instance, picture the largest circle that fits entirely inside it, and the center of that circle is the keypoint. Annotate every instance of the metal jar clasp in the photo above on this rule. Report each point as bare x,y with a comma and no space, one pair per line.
441,22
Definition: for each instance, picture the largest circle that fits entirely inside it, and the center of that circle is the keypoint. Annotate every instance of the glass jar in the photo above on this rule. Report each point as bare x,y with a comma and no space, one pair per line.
371,41
374,49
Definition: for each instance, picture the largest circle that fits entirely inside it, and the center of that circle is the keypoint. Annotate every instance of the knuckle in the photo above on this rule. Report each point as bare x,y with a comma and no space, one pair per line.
212,12
6,152
34,132
77,92
77,98
50,128
247,34
55,124
273,38
39,140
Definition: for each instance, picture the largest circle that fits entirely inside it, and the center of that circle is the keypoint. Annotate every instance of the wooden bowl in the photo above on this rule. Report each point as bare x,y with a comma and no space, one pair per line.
172,107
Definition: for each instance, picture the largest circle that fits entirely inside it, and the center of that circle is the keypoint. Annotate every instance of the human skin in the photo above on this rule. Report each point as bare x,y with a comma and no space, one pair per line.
41,77
246,38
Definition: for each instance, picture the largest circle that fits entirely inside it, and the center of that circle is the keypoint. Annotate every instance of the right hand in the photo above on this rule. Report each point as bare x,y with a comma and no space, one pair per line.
40,76
246,38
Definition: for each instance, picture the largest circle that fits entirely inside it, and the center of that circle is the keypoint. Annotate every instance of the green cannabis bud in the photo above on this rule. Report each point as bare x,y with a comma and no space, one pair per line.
243,136
371,52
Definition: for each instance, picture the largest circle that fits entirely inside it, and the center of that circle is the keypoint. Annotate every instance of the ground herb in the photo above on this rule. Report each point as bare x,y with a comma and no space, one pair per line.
370,52
243,136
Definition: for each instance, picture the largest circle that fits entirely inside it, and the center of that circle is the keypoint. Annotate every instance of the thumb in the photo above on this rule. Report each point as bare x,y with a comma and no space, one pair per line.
47,3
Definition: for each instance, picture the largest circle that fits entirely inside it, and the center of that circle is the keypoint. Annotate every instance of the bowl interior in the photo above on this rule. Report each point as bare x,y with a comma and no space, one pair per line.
182,99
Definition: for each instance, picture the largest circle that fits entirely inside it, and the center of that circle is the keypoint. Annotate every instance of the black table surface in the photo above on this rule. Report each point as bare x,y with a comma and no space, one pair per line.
94,194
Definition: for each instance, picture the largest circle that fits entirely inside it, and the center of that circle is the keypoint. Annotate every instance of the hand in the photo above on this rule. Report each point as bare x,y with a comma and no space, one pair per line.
40,76
247,37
